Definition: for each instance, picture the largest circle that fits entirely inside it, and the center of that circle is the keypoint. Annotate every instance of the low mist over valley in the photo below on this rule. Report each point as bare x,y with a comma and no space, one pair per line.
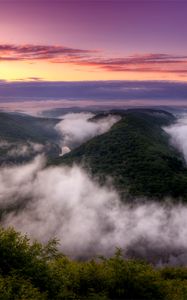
93,150
97,181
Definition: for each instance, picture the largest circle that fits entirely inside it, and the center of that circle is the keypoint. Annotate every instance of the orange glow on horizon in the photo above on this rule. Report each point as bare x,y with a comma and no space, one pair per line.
23,70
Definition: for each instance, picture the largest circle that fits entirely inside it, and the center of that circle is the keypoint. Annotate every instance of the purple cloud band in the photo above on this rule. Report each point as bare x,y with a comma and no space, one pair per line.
99,91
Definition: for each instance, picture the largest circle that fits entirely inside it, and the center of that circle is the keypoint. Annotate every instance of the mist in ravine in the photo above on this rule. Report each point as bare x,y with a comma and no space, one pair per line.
89,219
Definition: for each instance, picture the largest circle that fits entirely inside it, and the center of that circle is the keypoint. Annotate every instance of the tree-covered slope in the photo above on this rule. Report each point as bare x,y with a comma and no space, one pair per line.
19,134
137,154
21,127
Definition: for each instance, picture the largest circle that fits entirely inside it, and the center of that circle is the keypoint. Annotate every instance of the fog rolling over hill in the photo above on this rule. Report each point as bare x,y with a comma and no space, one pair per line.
77,128
89,219
178,134
126,187
137,154
23,136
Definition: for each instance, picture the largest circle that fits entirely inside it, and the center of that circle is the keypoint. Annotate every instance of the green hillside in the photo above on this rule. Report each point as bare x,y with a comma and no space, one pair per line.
21,127
17,130
137,154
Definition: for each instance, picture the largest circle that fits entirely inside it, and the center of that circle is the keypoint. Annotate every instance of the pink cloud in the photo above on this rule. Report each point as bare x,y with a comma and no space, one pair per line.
34,52
151,62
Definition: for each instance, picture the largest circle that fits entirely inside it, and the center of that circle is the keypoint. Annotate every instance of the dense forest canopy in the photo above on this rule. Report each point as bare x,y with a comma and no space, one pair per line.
38,272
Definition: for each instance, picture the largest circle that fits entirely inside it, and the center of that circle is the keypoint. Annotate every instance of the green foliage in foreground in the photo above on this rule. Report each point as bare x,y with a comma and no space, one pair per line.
33,271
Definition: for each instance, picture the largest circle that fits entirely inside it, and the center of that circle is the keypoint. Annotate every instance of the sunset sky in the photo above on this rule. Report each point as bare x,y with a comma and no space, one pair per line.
92,40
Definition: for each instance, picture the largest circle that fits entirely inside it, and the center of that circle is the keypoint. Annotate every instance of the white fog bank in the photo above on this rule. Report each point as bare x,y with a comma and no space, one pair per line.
86,218
178,134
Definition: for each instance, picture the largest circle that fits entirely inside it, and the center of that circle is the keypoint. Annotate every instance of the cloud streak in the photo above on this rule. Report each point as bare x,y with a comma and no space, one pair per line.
9,52
159,63
148,62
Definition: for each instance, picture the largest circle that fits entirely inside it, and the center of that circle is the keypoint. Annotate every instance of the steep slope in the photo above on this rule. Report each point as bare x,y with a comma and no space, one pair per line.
137,154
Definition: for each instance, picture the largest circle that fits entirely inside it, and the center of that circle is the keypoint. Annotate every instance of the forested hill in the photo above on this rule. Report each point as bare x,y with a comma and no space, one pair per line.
137,154
19,134
20,127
